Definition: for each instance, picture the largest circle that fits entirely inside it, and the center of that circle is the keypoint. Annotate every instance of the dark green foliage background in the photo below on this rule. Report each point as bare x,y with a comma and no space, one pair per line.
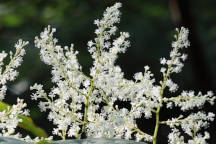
150,24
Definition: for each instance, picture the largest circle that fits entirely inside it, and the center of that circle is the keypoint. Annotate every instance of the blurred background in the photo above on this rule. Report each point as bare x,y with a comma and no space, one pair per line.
151,25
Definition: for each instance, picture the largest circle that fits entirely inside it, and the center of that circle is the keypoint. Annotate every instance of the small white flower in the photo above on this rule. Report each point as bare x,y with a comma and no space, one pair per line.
163,61
138,76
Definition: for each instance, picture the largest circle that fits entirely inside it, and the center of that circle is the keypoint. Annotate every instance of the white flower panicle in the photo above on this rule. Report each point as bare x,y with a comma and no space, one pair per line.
68,78
9,118
110,17
8,72
176,56
105,30
182,38
192,124
99,92
188,100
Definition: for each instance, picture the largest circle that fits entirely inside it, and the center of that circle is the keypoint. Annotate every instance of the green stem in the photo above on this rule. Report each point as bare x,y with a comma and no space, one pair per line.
161,102
63,134
86,107
159,107
92,81
141,132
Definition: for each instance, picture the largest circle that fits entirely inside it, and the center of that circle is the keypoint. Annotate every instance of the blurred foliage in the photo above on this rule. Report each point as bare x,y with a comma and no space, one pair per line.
148,22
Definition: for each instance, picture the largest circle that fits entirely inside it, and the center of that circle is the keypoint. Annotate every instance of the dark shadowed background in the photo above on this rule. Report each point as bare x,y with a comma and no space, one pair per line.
151,25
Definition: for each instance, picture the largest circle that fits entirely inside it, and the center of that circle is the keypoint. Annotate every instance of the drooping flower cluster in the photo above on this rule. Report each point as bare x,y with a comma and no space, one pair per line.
99,92
9,118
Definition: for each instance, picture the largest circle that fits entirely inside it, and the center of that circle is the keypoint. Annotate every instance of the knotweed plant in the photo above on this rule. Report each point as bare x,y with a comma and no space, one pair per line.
9,118
99,91
85,105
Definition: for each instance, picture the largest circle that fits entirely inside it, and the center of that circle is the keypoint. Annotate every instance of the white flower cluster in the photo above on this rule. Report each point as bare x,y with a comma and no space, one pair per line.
68,78
176,57
99,92
188,100
191,125
9,73
9,118
176,138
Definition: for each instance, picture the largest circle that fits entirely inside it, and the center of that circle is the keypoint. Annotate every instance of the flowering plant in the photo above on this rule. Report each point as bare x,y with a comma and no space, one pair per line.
99,91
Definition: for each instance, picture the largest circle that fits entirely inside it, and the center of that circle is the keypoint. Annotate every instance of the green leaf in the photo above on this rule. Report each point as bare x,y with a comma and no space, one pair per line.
26,123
